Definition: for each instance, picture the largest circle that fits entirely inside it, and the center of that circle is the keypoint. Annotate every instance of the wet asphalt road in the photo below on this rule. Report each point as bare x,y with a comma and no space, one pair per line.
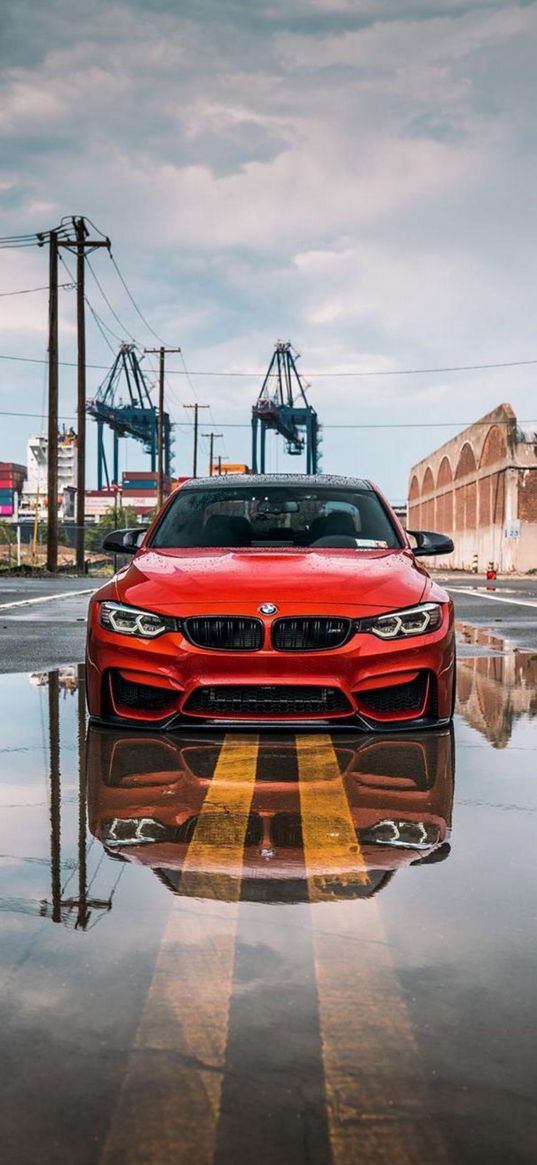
231,949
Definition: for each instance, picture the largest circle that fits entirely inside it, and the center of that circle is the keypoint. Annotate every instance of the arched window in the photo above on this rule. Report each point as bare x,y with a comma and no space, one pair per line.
494,448
467,462
445,474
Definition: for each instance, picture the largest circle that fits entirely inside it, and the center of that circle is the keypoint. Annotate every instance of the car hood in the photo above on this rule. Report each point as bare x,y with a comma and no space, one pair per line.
226,580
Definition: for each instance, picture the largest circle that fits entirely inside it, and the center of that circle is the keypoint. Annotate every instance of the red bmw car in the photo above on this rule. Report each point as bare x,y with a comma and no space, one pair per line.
273,600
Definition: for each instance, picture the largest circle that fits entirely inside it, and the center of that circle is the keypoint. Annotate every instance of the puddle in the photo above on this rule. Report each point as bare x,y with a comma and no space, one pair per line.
219,948
496,683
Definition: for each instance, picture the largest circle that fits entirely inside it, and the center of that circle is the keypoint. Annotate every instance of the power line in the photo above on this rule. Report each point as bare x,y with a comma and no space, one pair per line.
188,380
18,246
14,238
101,325
133,301
376,372
109,305
317,375
379,425
29,290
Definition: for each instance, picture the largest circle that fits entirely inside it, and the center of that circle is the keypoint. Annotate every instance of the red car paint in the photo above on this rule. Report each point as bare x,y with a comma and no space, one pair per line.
301,582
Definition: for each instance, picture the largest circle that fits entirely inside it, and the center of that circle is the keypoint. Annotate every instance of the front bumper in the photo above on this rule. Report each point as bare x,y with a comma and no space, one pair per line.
367,683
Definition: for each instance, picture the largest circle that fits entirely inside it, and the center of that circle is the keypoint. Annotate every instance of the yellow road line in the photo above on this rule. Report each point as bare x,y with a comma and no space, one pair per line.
170,1102
378,1108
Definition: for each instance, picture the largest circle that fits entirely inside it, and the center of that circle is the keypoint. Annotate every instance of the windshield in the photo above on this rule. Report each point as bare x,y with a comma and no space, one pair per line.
276,516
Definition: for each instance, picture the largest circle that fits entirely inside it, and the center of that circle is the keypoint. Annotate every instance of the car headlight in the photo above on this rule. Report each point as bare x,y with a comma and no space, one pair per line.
420,620
126,620
135,831
402,834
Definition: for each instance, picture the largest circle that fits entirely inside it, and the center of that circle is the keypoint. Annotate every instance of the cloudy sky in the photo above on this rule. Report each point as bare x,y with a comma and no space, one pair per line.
357,176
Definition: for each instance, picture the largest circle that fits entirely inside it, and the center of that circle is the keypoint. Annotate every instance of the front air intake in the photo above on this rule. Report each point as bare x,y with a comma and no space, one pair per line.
267,700
141,698
399,699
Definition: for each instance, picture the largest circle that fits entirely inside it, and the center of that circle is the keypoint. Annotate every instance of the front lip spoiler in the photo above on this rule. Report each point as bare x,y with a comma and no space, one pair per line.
354,722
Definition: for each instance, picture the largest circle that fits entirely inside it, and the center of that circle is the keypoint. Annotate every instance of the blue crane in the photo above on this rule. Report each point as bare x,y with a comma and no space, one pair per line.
282,405
138,418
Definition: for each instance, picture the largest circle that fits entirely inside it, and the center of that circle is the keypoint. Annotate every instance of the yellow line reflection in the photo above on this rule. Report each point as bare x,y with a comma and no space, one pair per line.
378,1108
331,848
169,1106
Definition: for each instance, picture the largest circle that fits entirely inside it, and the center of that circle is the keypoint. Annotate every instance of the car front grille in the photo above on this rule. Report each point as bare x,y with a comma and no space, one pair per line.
243,829
224,632
400,698
267,700
141,697
310,634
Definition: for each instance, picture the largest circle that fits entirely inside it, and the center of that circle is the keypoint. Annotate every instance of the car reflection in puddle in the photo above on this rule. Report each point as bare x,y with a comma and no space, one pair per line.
147,797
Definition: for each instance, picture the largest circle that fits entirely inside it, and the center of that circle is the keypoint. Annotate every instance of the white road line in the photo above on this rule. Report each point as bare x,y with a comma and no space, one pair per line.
493,598
46,598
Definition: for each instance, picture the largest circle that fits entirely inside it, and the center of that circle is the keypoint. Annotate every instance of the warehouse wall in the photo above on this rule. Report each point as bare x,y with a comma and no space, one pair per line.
481,488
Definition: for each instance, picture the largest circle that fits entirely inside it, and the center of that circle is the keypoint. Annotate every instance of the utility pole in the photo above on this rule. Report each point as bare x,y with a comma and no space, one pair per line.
212,437
81,234
82,904
78,245
219,464
52,448
55,793
162,352
196,408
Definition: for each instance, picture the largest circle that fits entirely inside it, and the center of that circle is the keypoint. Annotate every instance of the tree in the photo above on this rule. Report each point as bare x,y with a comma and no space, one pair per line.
114,518
8,537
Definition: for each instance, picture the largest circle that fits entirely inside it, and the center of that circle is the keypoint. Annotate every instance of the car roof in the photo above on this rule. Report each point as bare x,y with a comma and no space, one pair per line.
288,479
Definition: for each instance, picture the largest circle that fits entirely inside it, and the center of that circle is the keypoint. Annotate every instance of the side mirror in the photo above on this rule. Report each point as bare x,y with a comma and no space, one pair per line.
124,541
429,543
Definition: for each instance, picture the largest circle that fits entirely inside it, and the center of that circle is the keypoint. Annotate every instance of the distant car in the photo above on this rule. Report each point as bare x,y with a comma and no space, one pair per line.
273,600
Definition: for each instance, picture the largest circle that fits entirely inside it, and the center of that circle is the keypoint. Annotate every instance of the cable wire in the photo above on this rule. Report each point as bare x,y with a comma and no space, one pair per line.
109,305
29,290
183,425
133,301
101,325
317,375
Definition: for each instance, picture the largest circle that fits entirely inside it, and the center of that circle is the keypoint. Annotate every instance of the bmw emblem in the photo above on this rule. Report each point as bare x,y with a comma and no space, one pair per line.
268,608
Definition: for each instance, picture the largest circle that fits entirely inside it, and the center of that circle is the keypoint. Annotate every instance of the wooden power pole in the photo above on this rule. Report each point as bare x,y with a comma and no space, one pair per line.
79,245
52,444
212,437
196,408
81,235
162,353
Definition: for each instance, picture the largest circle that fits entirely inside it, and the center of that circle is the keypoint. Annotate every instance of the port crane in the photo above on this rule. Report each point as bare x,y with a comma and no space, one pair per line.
282,405
138,418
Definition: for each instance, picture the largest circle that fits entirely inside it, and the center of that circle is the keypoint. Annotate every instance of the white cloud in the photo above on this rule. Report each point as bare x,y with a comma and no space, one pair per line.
355,175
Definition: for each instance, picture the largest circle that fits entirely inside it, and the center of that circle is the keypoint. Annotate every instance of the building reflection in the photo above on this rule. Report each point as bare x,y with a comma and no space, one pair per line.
67,678
146,794
496,687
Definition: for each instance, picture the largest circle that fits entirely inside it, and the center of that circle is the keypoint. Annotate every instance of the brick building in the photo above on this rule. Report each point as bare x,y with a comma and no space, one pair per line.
481,488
